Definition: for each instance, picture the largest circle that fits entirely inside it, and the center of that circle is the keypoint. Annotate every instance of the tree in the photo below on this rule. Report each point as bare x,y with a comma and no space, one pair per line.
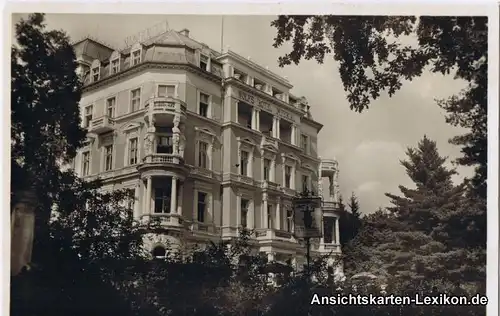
431,241
90,232
370,63
45,91
350,221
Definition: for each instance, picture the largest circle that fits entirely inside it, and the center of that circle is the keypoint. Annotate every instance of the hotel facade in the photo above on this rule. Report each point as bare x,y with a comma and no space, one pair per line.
209,142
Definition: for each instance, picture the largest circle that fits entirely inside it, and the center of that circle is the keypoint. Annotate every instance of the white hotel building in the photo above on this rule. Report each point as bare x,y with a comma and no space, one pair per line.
210,142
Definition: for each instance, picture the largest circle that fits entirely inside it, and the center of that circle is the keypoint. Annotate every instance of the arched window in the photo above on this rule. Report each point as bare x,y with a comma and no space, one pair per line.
159,252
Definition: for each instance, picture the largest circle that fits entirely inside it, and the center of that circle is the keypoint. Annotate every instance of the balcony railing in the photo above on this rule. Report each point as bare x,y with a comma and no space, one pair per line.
330,205
273,234
101,125
163,159
162,219
268,185
165,106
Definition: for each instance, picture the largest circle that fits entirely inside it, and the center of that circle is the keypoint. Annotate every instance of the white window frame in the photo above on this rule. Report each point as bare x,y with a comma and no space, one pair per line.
270,215
209,210
308,141
114,107
91,106
291,161
269,153
175,85
104,152
245,195
245,144
115,57
131,99
82,164
127,148
96,64
246,214
207,136
106,141
136,48
209,62
209,109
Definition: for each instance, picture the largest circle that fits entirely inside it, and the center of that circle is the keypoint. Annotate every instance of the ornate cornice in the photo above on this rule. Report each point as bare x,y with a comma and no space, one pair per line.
151,65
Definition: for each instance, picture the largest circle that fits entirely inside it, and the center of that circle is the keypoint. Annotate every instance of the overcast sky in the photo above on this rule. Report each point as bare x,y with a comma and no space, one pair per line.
368,146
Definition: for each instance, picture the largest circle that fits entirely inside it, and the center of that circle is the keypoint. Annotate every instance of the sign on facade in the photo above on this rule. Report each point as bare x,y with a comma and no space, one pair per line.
146,34
307,218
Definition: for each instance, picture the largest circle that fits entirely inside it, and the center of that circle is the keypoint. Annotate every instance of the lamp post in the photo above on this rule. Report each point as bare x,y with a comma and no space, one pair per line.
305,205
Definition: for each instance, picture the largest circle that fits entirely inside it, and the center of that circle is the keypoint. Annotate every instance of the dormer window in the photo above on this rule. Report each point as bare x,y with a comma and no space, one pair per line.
259,85
96,71
136,57
204,62
114,65
135,54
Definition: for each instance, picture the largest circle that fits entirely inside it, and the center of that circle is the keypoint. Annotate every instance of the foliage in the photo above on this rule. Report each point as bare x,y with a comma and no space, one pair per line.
350,221
432,232
75,253
372,58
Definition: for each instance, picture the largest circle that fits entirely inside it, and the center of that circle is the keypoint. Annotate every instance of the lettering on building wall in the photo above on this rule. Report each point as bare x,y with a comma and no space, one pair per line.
286,115
253,100
147,34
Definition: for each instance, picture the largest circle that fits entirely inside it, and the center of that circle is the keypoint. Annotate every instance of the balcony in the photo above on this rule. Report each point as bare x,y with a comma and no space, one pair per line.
273,234
101,125
335,248
164,159
162,110
288,191
163,220
329,205
268,185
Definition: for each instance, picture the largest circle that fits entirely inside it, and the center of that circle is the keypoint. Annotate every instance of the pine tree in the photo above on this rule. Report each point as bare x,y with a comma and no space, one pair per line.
426,245
355,215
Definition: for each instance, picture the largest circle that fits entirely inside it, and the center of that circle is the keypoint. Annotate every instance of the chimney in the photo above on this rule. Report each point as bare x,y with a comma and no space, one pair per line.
185,32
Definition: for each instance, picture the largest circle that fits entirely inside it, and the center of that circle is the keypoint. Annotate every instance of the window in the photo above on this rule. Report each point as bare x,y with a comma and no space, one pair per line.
288,176
328,225
303,142
244,212
244,163
115,66
166,91
136,57
135,100
289,220
162,200
202,155
108,157
86,163
305,183
165,145
270,216
204,62
132,151
88,116
267,169
204,103
110,107
202,206
95,73
159,252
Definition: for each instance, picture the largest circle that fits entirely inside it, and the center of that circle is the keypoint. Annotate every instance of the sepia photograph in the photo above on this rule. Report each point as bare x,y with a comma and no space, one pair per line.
253,164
